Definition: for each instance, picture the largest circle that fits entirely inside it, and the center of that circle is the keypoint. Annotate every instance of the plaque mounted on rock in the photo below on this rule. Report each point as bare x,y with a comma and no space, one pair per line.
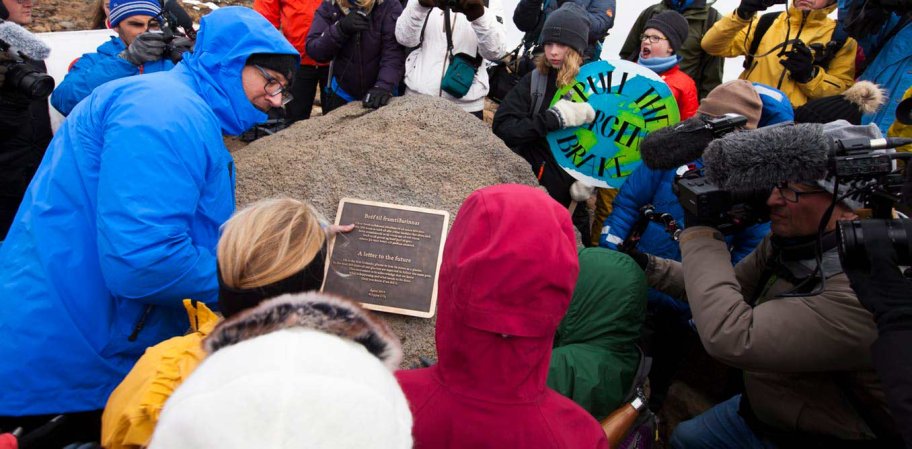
391,260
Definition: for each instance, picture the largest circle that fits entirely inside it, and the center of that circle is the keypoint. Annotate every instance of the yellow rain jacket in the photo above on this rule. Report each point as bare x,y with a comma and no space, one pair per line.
729,37
133,408
900,130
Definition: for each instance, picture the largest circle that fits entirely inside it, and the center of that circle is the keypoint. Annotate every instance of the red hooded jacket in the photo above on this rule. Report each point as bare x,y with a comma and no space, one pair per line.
293,18
508,272
684,90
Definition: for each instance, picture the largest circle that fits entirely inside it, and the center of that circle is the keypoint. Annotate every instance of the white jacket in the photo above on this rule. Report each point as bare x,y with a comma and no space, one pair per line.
425,67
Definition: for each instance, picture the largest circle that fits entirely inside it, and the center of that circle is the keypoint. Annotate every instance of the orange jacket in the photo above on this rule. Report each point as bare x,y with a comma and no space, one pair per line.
293,18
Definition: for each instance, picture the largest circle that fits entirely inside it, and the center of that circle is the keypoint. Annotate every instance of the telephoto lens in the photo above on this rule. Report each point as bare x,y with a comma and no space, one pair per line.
30,82
855,234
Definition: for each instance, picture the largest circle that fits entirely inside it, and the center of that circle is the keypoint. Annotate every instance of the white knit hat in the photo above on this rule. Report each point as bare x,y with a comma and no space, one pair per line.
297,387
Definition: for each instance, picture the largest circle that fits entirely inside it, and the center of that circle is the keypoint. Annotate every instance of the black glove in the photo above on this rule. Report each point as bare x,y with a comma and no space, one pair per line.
377,98
147,47
472,9
354,22
180,45
877,281
800,63
427,3
748,8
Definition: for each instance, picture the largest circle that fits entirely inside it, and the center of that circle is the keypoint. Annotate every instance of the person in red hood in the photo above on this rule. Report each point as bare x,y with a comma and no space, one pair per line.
508,272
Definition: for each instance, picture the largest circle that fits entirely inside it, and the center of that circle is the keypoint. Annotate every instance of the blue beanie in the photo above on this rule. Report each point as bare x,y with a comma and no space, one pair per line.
121,9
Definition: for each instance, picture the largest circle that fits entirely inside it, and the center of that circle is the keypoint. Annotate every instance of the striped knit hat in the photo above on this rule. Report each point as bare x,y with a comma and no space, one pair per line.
121,9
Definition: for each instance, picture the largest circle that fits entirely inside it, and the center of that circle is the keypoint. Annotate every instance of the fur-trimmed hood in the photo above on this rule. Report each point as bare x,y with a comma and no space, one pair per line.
299,370
311,310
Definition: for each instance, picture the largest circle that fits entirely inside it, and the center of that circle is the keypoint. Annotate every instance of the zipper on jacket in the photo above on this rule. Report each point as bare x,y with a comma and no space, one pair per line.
140,323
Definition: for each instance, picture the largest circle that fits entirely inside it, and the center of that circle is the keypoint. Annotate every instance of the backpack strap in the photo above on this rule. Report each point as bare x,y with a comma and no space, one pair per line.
423,27
537,88
764,24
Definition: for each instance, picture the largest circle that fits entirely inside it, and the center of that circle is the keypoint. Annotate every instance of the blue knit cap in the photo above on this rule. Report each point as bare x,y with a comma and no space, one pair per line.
121,9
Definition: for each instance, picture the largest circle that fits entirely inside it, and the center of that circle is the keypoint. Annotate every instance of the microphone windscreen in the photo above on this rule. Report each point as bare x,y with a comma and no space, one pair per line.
759,159
673,146
21,40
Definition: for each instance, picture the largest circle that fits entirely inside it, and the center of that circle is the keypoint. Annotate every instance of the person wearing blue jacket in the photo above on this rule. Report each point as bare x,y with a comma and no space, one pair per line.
121,220
137,49
669,317
884,32
529,17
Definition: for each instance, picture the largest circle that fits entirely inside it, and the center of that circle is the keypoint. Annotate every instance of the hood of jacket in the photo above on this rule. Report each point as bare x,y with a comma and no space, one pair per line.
226,38
112,47
508,271
609,302
813,15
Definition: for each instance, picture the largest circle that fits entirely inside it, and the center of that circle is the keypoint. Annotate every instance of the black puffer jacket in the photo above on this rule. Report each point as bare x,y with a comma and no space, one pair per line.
25,131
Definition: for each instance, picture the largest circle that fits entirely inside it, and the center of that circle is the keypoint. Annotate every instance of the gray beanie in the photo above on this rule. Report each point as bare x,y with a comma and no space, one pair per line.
841,129
673,25
569,26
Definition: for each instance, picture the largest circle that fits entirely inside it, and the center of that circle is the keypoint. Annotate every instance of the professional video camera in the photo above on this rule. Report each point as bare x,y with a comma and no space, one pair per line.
860,169
23,81
175,22
702,198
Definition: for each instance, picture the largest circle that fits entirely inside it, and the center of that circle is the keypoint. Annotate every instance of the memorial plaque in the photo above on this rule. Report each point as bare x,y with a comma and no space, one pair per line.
391,260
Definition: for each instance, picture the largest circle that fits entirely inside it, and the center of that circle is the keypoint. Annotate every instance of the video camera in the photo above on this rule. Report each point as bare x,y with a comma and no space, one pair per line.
175,22
23,81
703,199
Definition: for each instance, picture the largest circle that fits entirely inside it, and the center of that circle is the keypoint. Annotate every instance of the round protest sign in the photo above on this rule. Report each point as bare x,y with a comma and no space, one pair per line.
629,101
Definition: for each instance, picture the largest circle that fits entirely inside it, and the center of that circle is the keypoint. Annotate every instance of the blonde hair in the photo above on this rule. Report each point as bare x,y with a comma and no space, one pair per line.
268,241
569,69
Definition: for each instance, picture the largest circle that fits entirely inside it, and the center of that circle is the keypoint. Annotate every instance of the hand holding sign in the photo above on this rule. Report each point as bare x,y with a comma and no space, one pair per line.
629,101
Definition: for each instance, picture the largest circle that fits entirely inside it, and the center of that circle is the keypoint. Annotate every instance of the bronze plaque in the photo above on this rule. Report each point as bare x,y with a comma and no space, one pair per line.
391,260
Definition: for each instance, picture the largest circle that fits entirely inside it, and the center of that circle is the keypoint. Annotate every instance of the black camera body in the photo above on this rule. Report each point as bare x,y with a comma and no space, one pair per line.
726,211
25,81
175,22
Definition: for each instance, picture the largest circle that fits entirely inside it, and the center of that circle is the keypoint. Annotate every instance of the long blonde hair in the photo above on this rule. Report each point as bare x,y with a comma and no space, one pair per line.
268,241
568,71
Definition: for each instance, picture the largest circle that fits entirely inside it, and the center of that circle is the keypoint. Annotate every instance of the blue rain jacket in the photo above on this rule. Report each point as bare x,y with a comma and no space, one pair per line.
94,69
121,220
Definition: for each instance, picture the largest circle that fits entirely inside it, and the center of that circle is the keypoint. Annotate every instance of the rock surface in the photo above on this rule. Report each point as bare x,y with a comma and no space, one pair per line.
419,151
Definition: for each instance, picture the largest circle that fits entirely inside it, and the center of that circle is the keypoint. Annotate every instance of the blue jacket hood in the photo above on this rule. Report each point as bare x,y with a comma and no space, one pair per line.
227,37
112,47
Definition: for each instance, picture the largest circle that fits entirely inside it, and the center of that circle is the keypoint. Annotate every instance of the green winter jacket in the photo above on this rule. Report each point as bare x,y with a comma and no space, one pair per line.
595,357
705,69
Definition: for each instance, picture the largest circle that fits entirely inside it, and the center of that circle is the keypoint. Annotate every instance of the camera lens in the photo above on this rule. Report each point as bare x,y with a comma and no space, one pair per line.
32,83
856,234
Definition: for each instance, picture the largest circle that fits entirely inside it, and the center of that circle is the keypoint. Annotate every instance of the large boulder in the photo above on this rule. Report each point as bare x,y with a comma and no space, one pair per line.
419,150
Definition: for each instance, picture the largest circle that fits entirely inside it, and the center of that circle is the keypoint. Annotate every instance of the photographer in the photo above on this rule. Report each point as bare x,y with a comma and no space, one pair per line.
139,48
530,15
475,32
794,51
360,40
785,314
25,126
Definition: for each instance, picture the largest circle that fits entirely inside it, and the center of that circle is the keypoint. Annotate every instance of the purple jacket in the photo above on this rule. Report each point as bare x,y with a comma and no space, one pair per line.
375,60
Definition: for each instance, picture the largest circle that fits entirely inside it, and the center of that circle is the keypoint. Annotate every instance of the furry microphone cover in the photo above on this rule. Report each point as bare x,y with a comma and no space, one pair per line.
673,146
759,159
21,40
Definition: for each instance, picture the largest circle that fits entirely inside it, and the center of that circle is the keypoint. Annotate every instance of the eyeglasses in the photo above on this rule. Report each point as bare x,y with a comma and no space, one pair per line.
273,87
791,195
653,39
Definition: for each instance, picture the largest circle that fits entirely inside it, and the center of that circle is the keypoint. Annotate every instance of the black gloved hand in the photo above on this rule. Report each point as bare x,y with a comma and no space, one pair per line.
877,281
427,3
472,9
748,8
800,63
147,47
354,22
180,45
377,98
